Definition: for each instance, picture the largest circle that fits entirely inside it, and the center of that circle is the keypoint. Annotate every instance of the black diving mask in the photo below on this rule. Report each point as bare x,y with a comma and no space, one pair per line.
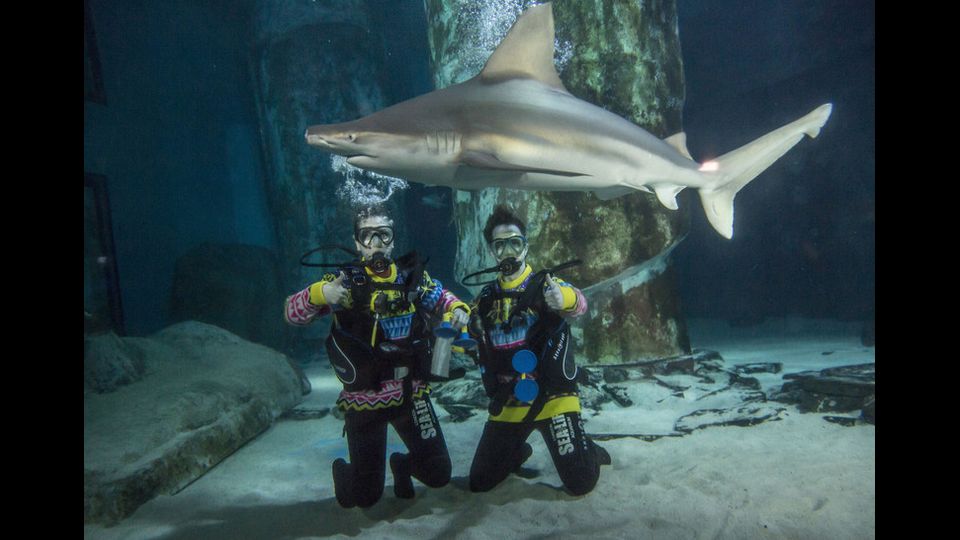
515,244
365,235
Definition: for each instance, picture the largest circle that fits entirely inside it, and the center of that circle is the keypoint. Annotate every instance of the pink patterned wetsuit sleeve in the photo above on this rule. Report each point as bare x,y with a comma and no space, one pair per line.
580,307
449,301
299,311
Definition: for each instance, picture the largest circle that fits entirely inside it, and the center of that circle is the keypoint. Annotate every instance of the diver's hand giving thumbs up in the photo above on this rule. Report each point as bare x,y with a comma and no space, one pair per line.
334,291
553,295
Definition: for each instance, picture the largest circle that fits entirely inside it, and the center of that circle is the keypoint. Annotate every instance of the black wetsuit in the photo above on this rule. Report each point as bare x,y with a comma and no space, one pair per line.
506,321
380,349
416,422
573,453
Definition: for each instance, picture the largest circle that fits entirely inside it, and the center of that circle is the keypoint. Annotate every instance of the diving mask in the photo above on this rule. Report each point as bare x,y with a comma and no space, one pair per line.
365,235
512,245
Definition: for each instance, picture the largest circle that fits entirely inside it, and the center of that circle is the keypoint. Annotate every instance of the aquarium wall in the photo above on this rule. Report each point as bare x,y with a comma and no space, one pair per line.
194,126
178,142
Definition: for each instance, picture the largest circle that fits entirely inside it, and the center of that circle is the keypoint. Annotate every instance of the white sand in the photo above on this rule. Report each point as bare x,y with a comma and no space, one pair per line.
799,477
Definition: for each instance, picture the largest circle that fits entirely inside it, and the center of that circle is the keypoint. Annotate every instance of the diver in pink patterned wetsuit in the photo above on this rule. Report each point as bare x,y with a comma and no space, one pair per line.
379,346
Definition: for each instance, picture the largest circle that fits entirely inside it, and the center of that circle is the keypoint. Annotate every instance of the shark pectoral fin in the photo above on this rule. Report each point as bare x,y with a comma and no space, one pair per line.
485,160
668,195
679,141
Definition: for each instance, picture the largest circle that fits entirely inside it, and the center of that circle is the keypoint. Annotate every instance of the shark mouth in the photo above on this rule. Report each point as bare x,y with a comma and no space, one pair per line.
335,146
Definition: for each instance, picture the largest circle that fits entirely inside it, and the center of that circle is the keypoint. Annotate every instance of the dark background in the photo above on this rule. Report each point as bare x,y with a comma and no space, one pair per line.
804,232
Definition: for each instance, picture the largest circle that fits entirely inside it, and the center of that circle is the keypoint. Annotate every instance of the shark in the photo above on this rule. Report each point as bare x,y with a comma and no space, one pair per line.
514,125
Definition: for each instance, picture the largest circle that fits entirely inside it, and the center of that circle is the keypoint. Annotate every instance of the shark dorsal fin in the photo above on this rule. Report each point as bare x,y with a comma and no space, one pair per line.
527,50
679,141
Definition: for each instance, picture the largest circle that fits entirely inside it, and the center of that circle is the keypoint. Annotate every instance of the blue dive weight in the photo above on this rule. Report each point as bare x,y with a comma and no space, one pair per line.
526,390
524,361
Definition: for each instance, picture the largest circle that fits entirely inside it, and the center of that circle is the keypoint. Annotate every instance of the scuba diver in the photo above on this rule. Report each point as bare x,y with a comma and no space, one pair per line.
383,312
527,365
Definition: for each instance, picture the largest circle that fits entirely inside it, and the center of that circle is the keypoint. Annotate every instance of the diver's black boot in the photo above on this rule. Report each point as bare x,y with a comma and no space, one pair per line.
402,483
602,455
342,482
523,455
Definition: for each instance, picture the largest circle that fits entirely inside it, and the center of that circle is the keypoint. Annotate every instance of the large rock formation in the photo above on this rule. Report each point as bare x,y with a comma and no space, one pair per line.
839,389
625,57
110,362
172,407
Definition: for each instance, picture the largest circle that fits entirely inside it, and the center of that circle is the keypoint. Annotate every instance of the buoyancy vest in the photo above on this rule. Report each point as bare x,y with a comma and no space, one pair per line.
544,333
382,335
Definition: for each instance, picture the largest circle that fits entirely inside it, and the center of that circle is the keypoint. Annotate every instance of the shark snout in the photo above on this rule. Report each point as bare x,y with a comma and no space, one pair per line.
317,139
330,143
341,143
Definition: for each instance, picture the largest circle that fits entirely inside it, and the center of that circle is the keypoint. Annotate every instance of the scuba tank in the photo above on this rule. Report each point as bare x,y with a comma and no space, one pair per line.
442,348
447,337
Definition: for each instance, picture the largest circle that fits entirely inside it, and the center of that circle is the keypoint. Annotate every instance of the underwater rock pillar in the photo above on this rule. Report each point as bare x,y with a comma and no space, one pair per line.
624,57
312,63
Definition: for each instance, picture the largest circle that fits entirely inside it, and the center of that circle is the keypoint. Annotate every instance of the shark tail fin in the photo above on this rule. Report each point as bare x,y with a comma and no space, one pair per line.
736,169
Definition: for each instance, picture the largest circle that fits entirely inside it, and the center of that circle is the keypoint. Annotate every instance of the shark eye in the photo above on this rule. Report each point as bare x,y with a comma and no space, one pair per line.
351,137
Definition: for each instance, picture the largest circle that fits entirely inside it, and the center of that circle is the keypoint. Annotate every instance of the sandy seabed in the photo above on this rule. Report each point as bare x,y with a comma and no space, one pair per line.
797,477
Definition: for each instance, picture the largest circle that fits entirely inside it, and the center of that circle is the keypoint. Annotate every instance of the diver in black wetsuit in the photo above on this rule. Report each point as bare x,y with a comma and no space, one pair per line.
527,367
379,347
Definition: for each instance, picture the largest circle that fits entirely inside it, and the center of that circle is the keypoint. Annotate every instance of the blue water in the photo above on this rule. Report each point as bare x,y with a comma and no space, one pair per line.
179,141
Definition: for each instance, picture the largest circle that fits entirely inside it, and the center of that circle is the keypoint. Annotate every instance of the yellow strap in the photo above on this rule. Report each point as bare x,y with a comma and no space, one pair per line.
458,304
316,293
569,297
514,283
552,408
